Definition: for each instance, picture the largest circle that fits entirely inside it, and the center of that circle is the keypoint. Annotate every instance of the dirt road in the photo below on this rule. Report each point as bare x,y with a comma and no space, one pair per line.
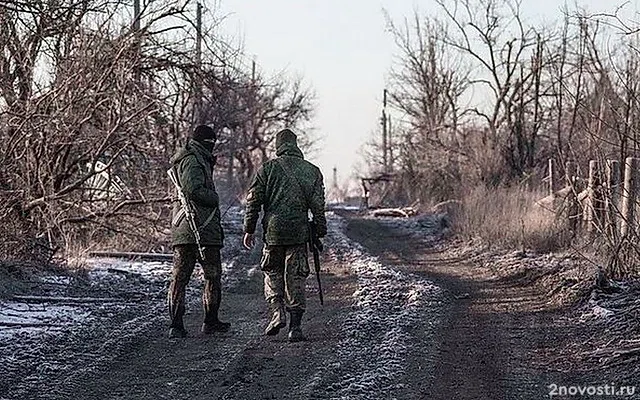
401,321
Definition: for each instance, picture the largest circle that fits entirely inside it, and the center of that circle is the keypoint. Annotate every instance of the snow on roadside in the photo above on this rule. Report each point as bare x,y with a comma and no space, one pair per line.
95,314
118,282
387,306
108,285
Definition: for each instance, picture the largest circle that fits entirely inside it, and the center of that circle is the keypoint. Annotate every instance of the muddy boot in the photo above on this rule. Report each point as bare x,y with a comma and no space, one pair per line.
217,326
211,305
177,331
278,319
295,331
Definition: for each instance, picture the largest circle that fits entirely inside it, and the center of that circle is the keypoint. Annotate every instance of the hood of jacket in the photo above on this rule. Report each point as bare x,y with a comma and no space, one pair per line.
289,148
194,148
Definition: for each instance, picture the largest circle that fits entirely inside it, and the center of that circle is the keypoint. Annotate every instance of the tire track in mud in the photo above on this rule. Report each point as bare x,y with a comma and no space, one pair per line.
359,343
489,340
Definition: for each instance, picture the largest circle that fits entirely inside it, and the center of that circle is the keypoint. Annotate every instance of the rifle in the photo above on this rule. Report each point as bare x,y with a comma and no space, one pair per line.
316,248
188,211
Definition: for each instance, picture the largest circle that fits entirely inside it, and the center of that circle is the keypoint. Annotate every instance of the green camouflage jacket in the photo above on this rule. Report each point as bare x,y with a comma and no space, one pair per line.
285,209
193,165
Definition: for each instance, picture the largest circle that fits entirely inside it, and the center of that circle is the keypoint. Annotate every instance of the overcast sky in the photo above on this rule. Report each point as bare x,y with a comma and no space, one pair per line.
344,53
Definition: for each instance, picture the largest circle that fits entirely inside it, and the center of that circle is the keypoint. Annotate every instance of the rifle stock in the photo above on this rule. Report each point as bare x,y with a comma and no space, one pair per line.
316,248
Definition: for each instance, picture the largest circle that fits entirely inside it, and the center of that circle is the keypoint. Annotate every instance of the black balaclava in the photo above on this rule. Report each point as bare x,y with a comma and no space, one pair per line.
205,135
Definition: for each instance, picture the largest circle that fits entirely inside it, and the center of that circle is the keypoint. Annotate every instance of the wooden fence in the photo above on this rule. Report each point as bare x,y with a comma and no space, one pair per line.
603,203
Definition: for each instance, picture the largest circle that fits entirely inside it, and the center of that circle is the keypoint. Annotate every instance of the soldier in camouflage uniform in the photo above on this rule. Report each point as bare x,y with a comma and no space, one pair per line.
285,188
193,165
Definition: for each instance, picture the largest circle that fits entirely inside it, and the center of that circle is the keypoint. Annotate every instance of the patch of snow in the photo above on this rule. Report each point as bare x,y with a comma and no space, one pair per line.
387,305
106,268
56,280
597,312
18,317
430,227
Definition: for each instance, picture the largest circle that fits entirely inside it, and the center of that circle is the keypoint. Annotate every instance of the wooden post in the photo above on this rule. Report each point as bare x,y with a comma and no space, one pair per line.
612,197
590,212
385,160
551,179
365,195
628,224
231,155
595,204
573,208
390,142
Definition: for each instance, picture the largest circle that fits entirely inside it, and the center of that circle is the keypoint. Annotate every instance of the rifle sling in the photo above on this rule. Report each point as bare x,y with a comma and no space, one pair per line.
294,179
209,219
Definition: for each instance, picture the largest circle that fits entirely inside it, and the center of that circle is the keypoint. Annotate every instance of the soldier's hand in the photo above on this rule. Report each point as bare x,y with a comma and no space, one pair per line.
249,241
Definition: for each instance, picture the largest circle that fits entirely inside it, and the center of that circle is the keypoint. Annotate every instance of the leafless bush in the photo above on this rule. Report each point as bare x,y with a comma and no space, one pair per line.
486,98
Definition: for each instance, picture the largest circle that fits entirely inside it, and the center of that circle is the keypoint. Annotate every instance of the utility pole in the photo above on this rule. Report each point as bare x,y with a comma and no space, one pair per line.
136,15
335,190
253,74
385,160
197,111
390,143
136,30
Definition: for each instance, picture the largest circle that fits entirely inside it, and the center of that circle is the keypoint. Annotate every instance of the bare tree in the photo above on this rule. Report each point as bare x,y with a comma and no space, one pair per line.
426,87
92,106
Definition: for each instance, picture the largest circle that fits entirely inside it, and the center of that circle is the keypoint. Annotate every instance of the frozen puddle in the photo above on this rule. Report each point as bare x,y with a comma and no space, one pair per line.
388,305
19,318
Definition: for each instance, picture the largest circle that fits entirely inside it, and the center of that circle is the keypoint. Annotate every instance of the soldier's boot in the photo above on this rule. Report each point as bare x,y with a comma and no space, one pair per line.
211,305
176,329
177,332
176,312
218,326
184,261
295,330
278,319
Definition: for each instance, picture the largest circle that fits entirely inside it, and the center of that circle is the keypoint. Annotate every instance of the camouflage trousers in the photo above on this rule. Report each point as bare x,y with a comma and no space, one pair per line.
184,261
285,273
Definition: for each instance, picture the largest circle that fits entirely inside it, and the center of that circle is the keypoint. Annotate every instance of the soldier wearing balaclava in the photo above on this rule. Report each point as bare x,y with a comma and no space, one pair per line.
193,166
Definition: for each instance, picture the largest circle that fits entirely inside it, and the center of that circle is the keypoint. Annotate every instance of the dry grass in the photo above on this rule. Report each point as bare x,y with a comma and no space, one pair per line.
510,217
